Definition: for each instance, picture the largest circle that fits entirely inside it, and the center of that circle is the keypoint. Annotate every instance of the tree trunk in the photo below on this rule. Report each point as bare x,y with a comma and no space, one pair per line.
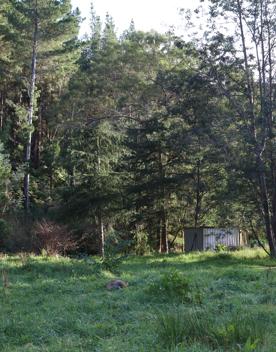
257,26
272,246
100,216
269,218
159,229
2,111
37,140
164,245
183,241
30,115
266,113
102,234
198,195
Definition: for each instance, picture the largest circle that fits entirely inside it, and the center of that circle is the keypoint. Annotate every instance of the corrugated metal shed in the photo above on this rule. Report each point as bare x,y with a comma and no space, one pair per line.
208,238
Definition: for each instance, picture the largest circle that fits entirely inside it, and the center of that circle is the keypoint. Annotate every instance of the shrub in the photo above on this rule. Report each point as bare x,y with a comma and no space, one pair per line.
174,286
221,248
53,238
141,245
116,244
115,252
112,263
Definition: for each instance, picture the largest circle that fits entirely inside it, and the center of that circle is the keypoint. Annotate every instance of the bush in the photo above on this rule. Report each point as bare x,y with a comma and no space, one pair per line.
115,252
221,248
53,238
254,243
174,286
141,245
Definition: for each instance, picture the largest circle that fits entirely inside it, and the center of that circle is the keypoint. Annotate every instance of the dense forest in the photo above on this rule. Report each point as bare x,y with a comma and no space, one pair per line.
129,138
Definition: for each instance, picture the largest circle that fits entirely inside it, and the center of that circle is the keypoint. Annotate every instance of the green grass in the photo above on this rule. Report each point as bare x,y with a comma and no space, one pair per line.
222,302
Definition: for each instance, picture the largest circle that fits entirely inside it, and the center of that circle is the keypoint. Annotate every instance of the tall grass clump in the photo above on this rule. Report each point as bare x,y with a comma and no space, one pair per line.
241,332
176,327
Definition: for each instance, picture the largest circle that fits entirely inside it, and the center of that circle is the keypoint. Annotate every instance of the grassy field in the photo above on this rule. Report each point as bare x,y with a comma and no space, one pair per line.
198,302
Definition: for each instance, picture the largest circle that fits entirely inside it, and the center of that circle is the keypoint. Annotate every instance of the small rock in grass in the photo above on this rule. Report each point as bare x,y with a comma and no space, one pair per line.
116,284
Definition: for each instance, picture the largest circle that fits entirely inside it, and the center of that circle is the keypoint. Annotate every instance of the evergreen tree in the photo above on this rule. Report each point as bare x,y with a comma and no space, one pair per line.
247,81
94,144
5,175
41,29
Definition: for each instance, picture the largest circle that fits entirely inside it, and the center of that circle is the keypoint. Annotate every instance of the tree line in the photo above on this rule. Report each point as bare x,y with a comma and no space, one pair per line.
134,137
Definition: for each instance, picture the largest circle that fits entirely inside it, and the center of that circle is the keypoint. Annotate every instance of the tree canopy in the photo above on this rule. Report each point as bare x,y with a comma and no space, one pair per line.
135,137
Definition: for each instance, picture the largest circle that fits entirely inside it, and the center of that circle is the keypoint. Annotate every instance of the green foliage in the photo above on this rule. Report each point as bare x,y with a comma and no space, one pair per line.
10,190
176,287
220,248
142,131
188,327
57,50
112,263
5,231
18,236
116,250
5,174
140,242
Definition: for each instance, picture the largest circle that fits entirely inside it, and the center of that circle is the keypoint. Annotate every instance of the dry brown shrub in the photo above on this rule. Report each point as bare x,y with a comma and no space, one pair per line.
54,238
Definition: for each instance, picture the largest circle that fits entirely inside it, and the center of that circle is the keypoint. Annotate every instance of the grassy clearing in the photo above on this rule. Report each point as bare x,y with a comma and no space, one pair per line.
198,302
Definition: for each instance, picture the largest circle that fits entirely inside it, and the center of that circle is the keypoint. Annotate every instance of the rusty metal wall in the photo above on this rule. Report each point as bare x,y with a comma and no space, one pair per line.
228,237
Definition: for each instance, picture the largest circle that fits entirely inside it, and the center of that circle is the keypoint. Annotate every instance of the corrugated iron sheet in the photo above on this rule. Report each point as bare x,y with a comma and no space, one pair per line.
227,237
